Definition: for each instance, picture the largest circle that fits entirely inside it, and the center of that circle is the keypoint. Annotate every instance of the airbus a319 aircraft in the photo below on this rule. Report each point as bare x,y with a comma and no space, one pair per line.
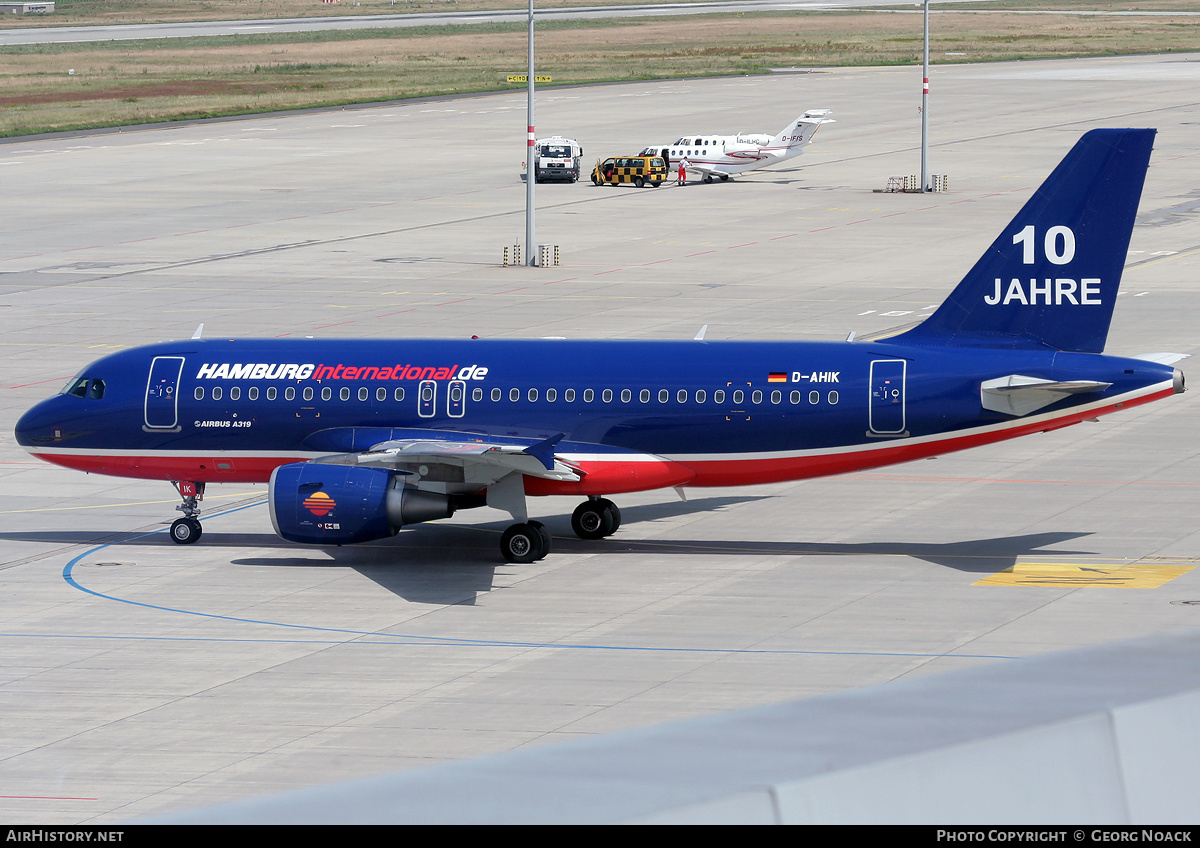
724,155
360,438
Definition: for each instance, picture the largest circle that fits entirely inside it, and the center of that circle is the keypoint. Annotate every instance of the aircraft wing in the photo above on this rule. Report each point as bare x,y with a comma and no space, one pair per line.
715,170
475,464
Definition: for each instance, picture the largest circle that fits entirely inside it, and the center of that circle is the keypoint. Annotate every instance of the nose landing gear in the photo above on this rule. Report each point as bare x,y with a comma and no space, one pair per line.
186,530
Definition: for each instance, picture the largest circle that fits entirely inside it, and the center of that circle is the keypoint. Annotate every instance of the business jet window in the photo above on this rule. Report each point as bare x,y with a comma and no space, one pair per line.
253,393
235,393
344,394
199,393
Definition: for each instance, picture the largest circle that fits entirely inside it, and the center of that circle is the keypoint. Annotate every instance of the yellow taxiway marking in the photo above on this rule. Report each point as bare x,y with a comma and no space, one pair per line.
1061,575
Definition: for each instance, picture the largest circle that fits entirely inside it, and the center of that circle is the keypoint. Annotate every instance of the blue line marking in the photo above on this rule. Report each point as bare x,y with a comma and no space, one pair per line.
377,638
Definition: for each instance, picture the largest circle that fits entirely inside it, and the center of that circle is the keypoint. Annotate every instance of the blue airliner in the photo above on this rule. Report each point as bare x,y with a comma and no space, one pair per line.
359,438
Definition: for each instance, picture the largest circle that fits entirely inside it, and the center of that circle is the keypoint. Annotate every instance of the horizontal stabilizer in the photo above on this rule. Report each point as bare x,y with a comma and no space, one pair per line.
1019,395
1163,358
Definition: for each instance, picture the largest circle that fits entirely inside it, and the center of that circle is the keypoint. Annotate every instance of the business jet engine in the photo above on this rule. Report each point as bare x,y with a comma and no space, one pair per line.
342,504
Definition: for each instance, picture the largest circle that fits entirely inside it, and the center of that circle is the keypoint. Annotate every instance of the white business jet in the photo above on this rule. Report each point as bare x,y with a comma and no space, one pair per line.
724,155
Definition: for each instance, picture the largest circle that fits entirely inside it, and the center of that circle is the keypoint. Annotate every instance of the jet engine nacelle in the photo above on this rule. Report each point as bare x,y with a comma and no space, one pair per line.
342,504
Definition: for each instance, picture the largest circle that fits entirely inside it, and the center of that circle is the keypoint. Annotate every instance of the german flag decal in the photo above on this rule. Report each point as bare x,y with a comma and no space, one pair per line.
319,503
777,377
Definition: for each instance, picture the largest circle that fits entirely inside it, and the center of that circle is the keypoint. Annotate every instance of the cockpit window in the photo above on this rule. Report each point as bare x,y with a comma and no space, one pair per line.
96,390
76,386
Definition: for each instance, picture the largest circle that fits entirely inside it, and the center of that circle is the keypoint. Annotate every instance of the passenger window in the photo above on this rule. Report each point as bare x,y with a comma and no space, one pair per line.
344,394
477,394
626,395
533,394
757,396
216,393
398,394
235,393
794,397
833,397
551,395
663,395
326,393
253,393
719,396
308,392
700,395
607,396
776,396
569,395
681,396
289,393
363,393
738,396
496,394
381,394
199,393
514,394
644,395
814,397
271,393
588,395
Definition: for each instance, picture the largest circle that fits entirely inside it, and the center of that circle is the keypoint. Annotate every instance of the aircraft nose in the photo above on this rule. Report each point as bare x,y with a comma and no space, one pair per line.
41,425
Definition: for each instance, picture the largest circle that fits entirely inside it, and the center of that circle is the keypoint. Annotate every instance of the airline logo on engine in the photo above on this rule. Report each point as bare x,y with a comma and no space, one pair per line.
305,371
319,504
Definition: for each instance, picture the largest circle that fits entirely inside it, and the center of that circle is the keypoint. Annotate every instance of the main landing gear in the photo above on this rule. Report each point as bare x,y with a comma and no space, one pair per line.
186,530
529,541
595,518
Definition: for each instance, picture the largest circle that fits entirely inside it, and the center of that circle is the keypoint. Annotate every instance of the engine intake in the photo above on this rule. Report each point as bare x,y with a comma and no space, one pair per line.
343,504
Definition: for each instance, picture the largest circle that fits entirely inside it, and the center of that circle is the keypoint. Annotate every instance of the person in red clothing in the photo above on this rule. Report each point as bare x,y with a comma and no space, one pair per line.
683,172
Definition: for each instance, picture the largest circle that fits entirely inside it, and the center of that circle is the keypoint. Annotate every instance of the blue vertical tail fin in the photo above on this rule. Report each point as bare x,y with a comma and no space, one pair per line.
1051,278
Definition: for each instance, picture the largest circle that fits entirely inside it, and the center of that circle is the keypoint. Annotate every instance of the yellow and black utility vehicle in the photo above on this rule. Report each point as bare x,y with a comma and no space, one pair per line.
638,170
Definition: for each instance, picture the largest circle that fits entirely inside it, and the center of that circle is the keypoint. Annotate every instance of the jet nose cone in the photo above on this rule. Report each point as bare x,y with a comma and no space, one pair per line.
41,425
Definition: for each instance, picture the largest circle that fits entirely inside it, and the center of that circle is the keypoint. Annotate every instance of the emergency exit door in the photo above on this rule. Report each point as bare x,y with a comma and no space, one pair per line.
887,396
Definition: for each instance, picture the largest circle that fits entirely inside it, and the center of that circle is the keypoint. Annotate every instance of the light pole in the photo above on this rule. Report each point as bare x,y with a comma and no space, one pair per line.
530,155
924,104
